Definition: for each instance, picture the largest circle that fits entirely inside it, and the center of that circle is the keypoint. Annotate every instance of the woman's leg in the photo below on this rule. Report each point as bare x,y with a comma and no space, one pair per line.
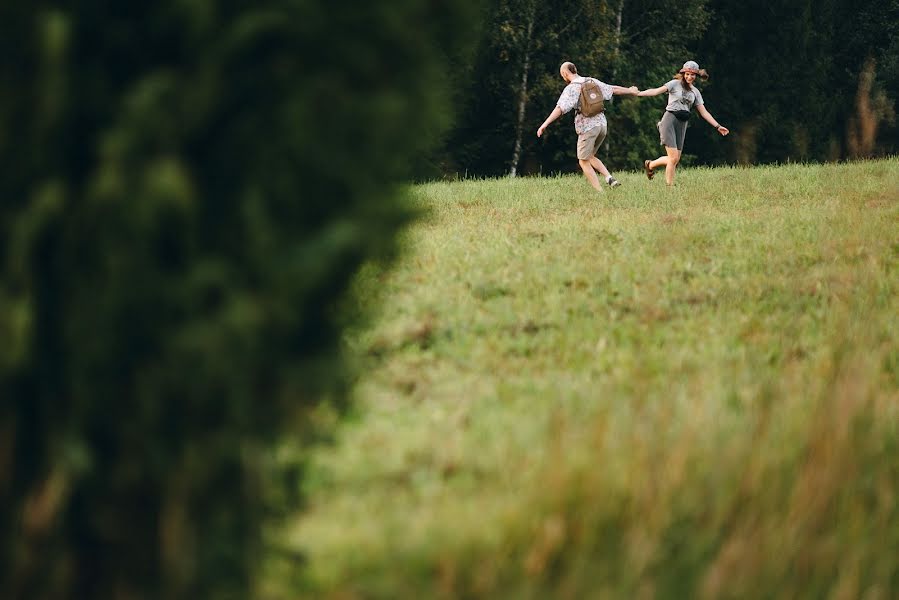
671,134
661,161
670,163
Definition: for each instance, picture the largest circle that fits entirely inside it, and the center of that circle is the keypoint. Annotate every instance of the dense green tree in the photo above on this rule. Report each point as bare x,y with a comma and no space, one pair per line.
187,189
516,81
793,80
788,75
657,37
516,71
867,43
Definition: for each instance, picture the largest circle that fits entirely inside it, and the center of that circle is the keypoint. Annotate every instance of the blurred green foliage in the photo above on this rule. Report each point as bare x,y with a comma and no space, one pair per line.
187,188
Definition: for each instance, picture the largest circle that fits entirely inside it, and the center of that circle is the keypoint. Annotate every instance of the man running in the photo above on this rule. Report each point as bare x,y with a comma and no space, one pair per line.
591,130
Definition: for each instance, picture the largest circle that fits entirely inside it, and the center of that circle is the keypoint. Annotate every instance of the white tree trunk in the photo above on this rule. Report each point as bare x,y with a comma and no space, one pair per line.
618,30
522,96
615,53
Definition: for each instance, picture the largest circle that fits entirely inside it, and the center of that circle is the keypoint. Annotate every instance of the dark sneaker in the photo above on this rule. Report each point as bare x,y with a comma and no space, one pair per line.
648,169
613,182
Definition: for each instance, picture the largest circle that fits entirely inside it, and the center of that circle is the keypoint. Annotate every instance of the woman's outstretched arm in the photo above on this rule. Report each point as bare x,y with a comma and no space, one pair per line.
653,91
705,114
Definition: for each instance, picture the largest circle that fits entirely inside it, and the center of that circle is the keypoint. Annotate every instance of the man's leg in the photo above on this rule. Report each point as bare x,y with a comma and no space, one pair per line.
599,166
587,144
590,174
595,162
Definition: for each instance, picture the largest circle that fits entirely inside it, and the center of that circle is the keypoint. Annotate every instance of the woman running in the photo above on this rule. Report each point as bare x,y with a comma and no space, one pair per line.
682,96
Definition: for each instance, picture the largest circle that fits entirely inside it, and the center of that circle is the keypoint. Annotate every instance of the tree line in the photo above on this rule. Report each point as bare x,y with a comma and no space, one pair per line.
795,80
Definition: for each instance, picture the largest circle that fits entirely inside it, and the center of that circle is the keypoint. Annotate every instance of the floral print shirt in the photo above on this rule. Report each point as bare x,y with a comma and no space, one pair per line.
570,98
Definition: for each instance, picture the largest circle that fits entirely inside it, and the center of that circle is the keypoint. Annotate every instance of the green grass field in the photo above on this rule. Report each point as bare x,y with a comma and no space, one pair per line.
648,393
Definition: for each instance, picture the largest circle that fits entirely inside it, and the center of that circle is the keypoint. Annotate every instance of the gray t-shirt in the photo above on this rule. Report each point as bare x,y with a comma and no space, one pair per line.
681,99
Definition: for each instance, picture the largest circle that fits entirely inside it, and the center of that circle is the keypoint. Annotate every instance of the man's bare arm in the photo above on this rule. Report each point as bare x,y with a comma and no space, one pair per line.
617,90
555,114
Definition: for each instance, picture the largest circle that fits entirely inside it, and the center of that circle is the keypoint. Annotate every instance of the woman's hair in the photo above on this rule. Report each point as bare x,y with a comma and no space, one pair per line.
703,74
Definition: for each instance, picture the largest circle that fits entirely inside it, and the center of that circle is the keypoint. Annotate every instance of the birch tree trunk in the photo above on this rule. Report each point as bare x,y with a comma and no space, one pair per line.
618,31
523,94
615,54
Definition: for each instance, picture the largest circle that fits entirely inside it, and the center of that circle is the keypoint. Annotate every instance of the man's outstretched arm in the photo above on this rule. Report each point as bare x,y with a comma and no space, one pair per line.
624,91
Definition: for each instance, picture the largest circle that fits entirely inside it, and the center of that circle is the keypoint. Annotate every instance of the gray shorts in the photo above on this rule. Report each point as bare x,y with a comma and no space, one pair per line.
589,141
672,131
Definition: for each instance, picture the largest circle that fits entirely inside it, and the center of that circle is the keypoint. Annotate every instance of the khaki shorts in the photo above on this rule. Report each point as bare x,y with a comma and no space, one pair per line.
589,141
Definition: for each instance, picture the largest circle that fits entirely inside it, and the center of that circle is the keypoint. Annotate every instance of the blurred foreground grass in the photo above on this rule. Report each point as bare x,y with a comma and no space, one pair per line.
643,394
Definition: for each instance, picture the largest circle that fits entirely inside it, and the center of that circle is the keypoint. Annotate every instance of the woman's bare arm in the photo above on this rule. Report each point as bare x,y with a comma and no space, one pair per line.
705,114
653,91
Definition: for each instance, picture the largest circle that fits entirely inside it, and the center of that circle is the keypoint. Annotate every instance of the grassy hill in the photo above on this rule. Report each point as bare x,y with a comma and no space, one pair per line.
647,393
